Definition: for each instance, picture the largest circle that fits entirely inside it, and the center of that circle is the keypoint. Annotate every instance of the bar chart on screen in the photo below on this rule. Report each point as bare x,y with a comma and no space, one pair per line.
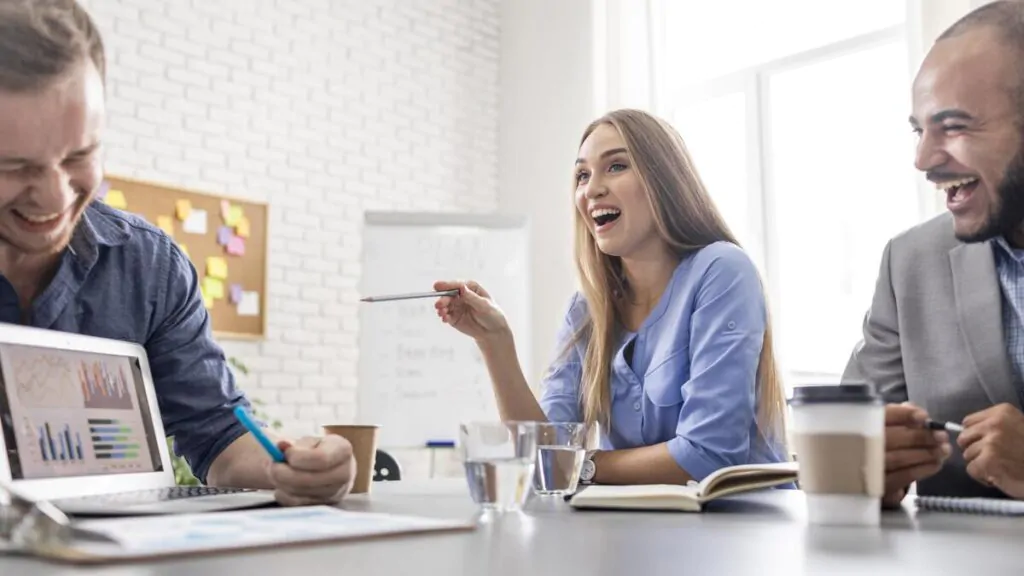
58,443
115,443
53,446
104,386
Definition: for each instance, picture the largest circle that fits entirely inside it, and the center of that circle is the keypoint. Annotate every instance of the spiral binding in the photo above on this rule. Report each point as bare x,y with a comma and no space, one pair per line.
985,506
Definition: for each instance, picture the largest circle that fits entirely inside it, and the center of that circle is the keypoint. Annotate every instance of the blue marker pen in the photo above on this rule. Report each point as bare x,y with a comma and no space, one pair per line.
257,432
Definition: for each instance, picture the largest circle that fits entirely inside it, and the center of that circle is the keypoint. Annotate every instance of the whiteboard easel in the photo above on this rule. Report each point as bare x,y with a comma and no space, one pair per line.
419,378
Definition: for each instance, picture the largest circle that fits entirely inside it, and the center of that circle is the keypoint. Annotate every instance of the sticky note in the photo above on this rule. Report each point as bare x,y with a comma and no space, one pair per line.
102,189
236,246
235,214
224,235
216,267
195,222
166,224
225,208
183,208
242,228
249,305
185,250
207,301
235,293
213,287
115,199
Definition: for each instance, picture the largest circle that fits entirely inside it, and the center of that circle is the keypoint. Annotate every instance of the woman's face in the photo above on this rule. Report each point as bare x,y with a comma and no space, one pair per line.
610,197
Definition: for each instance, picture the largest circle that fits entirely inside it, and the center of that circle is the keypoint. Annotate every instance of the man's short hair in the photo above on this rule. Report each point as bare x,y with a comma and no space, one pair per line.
41,40
1004,16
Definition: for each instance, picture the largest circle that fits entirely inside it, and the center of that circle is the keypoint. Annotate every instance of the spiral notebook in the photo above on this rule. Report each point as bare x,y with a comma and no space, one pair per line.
987,506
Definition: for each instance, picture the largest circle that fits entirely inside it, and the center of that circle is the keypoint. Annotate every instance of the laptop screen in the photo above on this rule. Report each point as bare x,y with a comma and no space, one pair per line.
69,413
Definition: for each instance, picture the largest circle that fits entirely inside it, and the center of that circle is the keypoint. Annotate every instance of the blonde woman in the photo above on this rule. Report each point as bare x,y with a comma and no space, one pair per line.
668,346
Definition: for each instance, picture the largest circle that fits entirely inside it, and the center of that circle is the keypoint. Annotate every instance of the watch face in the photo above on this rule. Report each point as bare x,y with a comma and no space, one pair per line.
587,472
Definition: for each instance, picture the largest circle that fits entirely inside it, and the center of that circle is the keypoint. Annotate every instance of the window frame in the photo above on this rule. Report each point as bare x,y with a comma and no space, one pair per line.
754,83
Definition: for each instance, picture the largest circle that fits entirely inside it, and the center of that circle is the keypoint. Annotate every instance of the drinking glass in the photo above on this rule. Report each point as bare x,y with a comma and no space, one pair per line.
499,459
561,448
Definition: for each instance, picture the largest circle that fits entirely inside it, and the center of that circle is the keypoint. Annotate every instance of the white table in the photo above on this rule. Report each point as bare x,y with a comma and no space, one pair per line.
763,533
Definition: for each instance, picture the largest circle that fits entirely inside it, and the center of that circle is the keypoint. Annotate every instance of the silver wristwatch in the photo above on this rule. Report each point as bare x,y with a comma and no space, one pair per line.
589,468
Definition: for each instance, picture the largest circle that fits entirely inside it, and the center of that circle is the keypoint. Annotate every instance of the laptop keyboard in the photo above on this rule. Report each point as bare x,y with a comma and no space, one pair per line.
161,494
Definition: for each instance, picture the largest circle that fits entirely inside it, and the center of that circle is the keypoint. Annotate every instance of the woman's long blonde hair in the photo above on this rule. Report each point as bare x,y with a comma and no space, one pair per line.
687,220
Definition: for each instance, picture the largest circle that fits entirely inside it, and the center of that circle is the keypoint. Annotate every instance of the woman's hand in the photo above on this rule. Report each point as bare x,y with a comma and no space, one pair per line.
472,312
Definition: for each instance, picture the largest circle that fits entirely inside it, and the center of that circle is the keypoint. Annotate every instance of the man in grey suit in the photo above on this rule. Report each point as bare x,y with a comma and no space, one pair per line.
944,338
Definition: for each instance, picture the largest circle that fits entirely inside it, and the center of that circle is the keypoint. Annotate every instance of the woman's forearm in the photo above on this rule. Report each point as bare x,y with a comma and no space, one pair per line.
643,465
515,399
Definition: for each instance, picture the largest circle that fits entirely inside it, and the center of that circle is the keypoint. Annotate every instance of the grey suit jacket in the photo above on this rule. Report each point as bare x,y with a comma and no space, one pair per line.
934,336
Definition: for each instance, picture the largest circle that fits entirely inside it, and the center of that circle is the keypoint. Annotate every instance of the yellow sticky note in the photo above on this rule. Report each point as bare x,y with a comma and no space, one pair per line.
207,301
182,208
166,224
216,267
213,288
234,215
185,250
242,228
115,199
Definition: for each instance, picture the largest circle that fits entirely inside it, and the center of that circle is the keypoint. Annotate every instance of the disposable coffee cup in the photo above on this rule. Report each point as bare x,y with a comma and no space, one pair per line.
838,434
363,438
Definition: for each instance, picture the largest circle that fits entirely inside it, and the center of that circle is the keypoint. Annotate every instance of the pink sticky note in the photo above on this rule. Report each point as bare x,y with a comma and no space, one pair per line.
224,235
101,192
236,246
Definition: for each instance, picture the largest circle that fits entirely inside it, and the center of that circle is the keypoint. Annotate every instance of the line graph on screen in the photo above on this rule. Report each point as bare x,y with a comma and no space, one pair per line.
42,379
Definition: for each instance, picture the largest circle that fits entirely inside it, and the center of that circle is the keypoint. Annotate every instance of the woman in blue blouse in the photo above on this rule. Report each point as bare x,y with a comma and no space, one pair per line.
668,346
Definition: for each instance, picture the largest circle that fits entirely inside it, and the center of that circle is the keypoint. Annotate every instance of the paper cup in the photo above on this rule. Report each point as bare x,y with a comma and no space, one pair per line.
364,448
839,438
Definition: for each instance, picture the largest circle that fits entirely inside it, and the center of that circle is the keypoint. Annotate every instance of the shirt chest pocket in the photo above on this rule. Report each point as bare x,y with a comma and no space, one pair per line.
664,385
100,319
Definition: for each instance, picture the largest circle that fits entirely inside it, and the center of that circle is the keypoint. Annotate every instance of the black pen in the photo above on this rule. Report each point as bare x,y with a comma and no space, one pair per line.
947,426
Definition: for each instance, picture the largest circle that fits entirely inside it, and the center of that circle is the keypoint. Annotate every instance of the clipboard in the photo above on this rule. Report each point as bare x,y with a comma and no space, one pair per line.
38,529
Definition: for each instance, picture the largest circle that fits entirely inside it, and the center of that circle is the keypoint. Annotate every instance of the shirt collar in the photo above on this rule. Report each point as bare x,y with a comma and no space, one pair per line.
99,226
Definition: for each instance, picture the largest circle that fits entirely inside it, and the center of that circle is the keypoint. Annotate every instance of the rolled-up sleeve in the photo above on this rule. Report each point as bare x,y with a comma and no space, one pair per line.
560,399
719,398
195,388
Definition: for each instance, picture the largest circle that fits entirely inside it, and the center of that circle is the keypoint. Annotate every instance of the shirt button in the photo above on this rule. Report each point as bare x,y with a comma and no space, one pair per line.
732,325
636,406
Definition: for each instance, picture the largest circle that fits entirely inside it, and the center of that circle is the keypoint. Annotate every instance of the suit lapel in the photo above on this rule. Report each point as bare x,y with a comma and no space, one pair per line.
979,310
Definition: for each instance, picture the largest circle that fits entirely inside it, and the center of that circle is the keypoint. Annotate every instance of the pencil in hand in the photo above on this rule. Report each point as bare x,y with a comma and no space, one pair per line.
411,296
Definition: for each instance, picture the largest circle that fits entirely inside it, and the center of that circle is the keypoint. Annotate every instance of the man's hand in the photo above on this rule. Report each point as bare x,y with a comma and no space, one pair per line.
317,471
993,445
912,452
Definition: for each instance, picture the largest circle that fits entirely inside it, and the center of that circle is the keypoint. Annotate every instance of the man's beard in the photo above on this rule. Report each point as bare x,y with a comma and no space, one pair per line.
1008,215
42,251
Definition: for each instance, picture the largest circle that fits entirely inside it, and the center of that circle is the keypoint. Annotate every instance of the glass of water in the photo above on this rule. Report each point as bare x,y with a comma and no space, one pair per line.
561,448
499,458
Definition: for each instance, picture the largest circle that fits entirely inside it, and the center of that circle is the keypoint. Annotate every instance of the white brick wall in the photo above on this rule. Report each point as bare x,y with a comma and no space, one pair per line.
324,109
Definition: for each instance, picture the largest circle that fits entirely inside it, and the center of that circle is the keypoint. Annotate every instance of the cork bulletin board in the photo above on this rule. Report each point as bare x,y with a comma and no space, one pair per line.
224,237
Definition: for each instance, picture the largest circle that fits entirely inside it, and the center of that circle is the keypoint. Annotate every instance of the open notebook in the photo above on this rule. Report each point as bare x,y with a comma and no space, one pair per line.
989,506
689,498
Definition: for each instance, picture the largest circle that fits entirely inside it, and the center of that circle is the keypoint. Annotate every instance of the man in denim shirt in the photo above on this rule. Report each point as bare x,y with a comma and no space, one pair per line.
69,263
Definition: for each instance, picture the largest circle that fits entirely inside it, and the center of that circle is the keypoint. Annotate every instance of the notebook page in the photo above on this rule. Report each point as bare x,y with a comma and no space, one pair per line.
991,506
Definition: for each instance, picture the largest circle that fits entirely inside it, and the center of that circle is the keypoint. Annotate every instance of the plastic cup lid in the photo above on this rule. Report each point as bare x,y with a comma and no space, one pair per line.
831,394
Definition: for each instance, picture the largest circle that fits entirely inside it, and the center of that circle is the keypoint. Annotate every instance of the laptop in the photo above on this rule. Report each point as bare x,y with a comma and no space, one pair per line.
81,428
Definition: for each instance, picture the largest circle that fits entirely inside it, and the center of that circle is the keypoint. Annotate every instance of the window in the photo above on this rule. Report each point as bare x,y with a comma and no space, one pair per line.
795,115
714,131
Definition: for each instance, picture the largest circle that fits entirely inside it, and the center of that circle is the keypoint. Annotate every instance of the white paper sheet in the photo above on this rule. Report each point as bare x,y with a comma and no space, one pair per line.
195,222
141,536
249,305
